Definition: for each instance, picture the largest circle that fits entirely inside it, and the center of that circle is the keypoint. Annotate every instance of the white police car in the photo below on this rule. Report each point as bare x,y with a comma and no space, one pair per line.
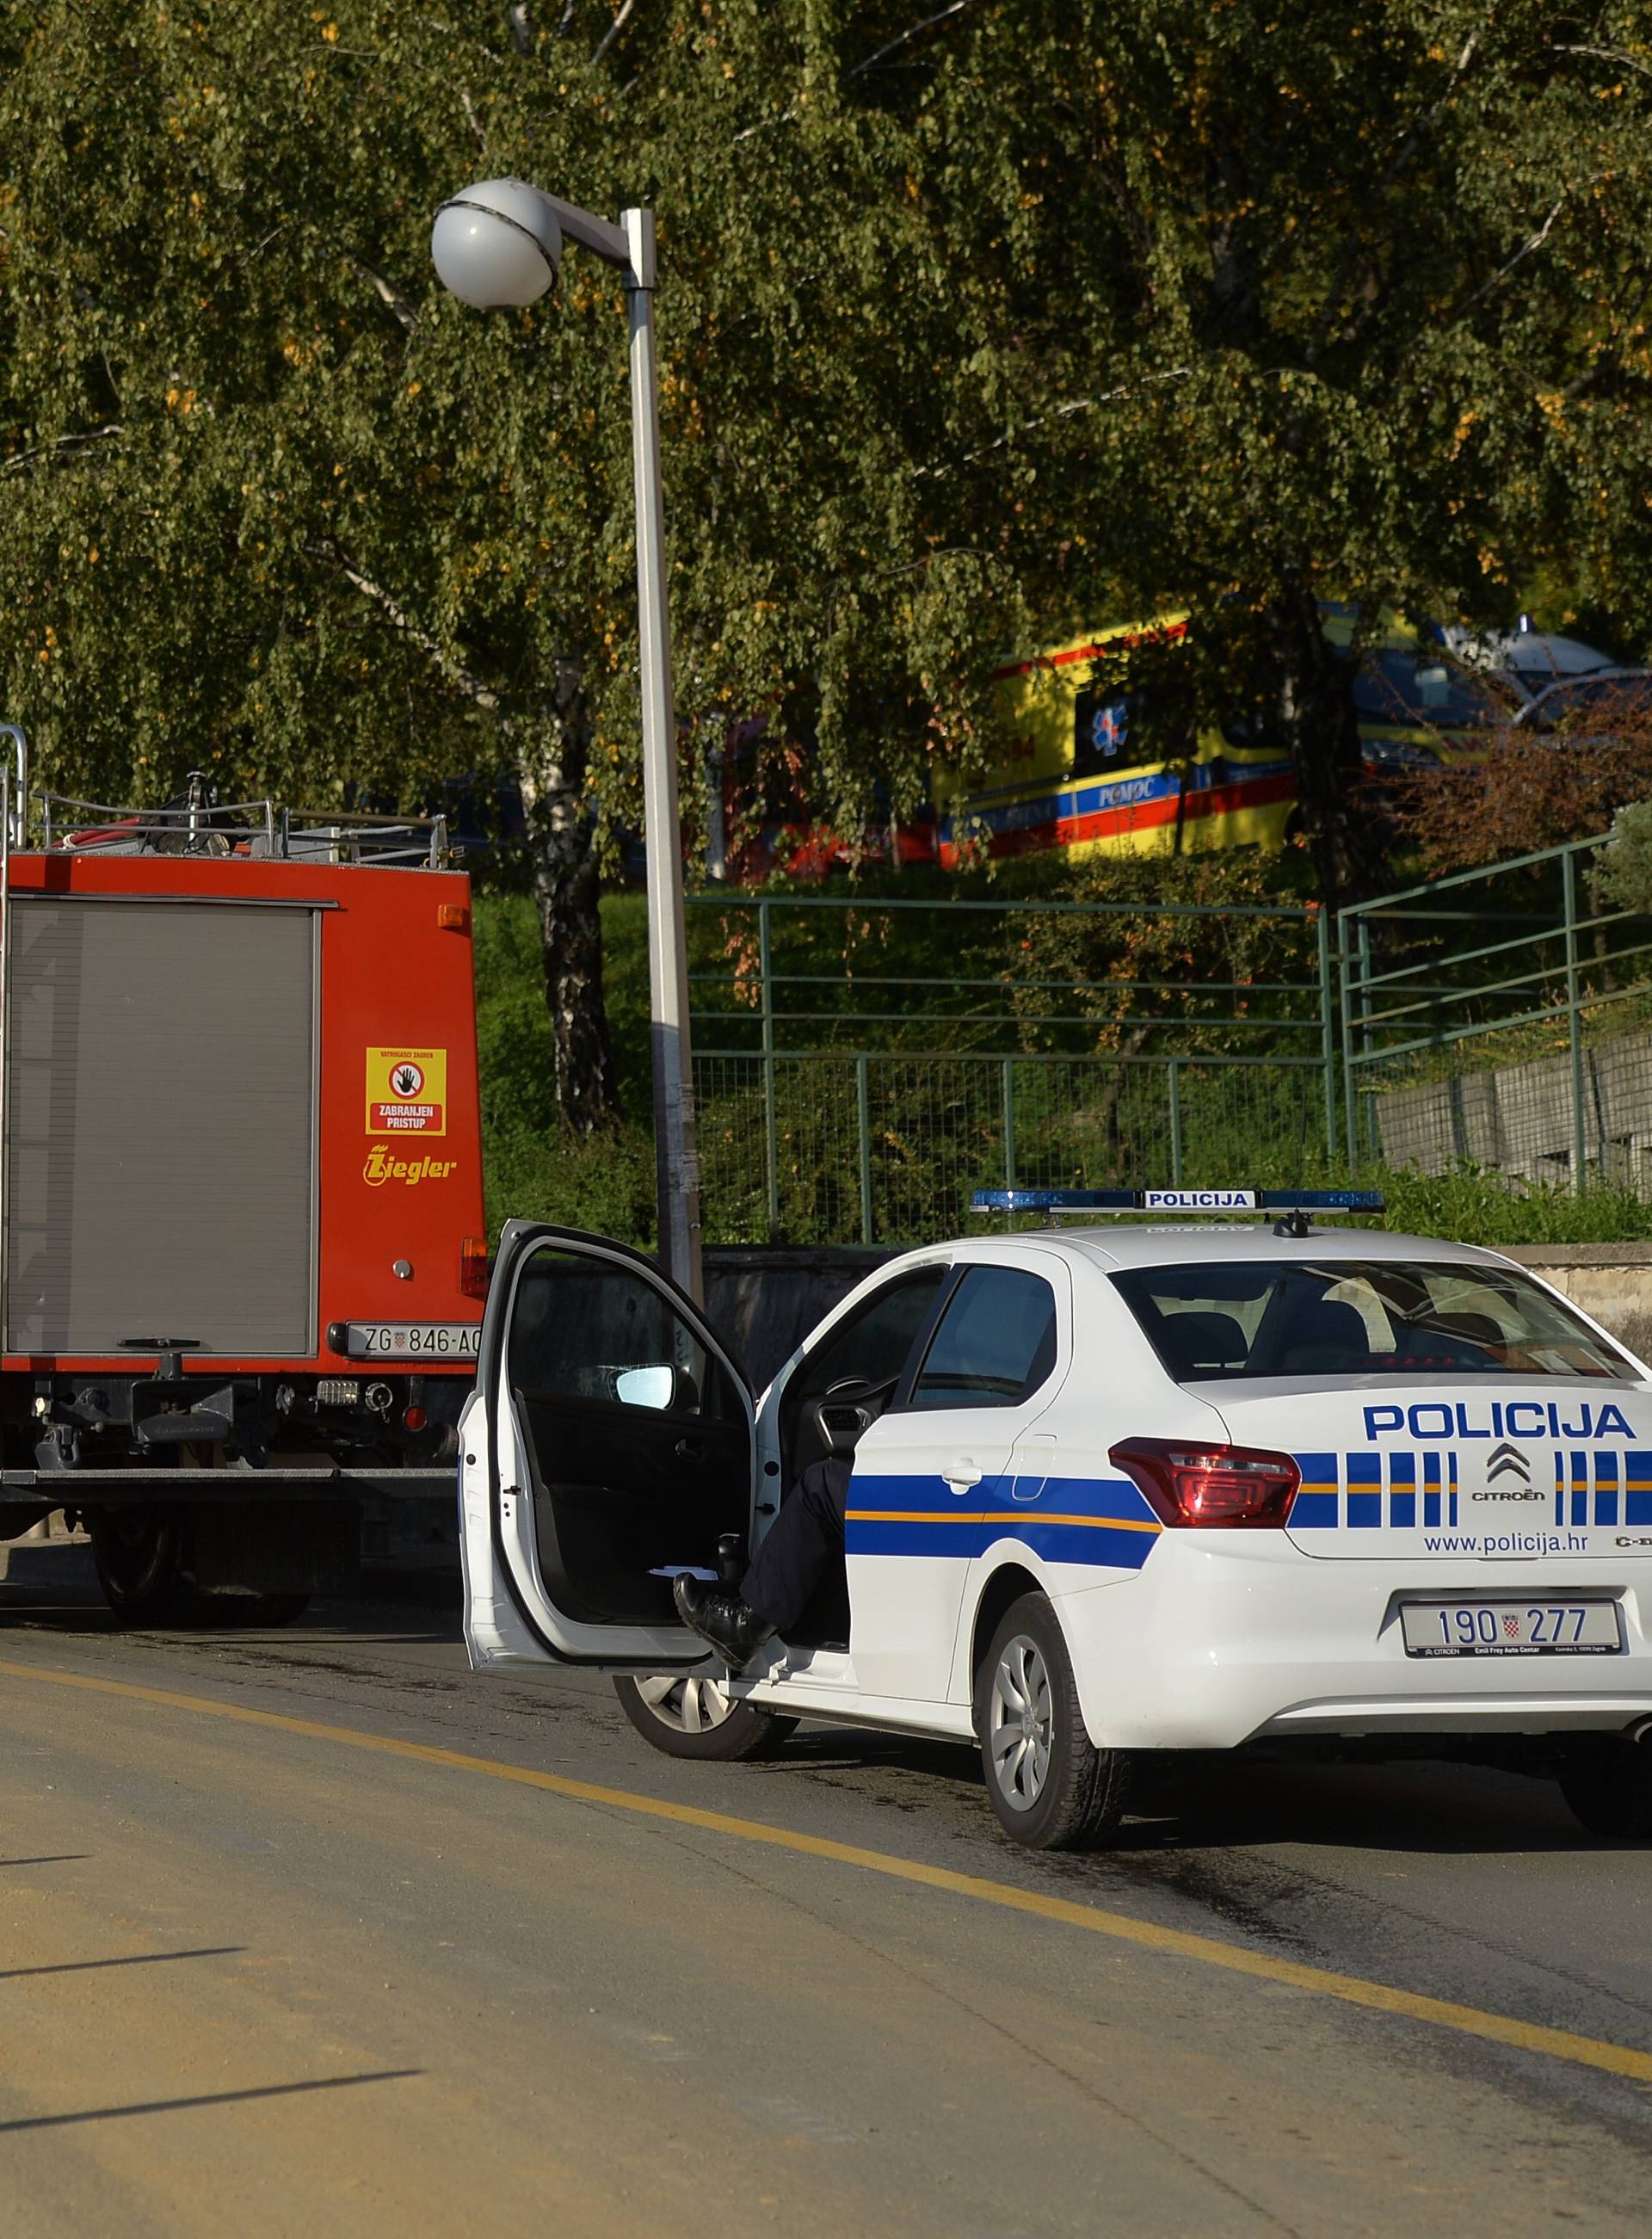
1116,1490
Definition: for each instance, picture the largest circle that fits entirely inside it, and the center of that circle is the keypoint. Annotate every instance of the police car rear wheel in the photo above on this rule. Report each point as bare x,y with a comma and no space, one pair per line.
1050,1787
694,1716
1608,1786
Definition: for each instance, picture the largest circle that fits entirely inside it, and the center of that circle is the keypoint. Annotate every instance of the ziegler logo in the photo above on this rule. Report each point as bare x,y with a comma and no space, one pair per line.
1508,1461
385,1166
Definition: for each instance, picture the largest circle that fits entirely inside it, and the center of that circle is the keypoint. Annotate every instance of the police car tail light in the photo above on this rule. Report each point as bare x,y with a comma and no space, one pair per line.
1192,1483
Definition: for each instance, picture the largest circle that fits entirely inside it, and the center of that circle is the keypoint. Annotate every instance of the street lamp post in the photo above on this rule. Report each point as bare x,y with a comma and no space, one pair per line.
498,245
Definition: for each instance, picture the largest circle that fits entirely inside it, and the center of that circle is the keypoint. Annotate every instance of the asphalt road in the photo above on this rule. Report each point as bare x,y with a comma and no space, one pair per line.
263,1974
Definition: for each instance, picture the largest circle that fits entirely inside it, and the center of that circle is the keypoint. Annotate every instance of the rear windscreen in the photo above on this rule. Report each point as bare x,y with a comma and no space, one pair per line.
1360,1317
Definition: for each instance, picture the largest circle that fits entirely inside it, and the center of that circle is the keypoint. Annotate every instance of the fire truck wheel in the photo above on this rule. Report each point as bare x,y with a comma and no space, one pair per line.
142,1559
697,1716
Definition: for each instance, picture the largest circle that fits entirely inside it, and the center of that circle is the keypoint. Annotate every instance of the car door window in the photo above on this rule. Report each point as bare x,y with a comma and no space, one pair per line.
868,1349
996,1343
582,1329
635,1434
874,1341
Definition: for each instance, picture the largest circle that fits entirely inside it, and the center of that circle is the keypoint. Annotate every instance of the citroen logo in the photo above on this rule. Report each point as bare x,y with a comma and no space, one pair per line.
1503,1458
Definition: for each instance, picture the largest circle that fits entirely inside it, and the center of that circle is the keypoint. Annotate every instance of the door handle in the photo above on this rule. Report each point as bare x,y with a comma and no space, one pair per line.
690,1450
961,1474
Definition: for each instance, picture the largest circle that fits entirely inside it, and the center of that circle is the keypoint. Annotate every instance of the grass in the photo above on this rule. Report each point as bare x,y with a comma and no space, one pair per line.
606,1183
1474,1206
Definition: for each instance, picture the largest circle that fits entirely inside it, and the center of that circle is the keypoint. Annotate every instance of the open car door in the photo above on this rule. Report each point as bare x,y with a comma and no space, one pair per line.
608,1444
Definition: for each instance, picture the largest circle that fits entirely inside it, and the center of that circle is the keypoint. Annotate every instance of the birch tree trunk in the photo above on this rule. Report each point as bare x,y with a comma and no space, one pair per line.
566,891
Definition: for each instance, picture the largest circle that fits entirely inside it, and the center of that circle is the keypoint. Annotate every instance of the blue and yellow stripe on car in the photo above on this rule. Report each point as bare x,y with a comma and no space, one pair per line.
1603,1486
1102,1522
1362,1491
1637,1487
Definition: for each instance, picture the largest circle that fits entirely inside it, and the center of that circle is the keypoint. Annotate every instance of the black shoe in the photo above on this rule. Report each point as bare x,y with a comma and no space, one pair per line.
718,1614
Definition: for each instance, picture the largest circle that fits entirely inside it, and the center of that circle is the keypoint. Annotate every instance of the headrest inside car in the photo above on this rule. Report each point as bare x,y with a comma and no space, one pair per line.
1329,1339
1206,1341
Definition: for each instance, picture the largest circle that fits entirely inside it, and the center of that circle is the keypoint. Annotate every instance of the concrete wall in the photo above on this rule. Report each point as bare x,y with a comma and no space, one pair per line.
1611,1281
1518,1118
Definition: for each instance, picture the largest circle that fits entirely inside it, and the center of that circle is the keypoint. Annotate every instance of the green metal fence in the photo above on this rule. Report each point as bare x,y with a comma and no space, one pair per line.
879,1147
1500,1018
861,1068
863,1065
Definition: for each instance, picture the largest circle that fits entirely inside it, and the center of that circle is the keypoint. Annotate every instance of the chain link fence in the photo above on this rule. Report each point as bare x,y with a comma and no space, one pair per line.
860,1076
884,1147
899,1056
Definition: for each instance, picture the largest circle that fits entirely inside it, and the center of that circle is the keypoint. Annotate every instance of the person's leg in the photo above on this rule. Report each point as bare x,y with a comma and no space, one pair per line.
803,1543
804,1540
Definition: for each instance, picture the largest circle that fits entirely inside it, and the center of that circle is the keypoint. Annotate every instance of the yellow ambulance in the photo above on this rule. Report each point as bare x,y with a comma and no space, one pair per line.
1080,776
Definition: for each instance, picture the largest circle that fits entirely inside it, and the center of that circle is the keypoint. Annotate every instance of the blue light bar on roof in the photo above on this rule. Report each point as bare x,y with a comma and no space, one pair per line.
1176,1200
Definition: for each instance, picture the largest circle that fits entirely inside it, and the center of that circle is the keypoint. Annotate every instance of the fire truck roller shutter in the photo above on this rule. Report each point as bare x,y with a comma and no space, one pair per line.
162,1084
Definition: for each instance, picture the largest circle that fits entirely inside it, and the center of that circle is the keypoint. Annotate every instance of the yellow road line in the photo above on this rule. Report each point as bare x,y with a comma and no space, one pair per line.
1175,1942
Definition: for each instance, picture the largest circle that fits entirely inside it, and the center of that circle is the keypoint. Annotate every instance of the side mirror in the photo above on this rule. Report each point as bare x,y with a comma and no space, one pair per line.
654,1385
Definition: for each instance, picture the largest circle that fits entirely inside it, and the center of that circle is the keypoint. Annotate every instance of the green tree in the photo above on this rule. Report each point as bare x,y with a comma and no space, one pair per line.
977,318
1623,878
273,506
1271,311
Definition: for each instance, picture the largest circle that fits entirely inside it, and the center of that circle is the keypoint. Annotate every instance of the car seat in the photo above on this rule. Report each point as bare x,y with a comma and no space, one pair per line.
1206,1343
1327,1339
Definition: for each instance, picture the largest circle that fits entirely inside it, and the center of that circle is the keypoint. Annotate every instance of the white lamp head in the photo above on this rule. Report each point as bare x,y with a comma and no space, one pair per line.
497,245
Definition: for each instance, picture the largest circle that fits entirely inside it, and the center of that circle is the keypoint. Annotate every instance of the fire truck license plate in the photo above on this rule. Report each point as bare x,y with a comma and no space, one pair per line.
412,1340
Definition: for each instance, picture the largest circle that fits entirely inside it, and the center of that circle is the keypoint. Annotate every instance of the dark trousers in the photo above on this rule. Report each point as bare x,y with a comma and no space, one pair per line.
804,1542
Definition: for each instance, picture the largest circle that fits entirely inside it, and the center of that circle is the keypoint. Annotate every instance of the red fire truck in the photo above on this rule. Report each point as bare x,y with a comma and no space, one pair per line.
243,1253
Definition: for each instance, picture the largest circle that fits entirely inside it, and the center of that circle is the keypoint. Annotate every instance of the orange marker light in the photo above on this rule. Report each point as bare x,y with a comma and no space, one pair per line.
474,1267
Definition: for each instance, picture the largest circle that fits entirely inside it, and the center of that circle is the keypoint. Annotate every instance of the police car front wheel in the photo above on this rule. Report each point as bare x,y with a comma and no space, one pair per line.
696,1716
1051,1789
